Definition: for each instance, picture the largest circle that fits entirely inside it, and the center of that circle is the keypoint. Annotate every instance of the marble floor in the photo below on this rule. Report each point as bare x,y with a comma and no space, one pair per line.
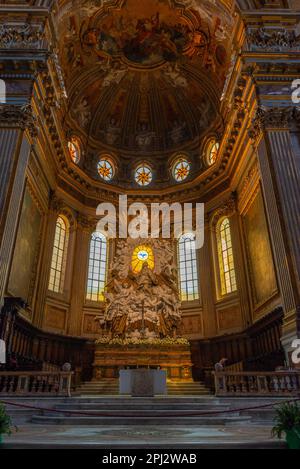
232,436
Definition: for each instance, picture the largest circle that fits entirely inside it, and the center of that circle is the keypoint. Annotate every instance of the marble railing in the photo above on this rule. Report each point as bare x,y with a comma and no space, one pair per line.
35,383
280,383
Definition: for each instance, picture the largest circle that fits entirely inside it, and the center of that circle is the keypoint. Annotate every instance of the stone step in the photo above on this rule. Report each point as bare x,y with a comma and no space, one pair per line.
111,387
135,405
153,420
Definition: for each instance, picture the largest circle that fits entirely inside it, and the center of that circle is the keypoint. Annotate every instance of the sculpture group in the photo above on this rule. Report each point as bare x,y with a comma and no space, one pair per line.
143,305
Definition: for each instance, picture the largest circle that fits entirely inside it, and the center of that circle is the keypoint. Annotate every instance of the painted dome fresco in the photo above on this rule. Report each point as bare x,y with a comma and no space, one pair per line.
144,77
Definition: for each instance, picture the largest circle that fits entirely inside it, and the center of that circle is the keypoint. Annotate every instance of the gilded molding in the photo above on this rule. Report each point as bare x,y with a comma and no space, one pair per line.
19,116
56,204
250,187
227,209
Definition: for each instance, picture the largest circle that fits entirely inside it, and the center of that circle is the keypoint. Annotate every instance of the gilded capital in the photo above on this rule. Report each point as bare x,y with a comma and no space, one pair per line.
18,116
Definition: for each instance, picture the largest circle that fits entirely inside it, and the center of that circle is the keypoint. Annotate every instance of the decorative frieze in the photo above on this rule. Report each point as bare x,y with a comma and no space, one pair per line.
273,40
23,36
19,116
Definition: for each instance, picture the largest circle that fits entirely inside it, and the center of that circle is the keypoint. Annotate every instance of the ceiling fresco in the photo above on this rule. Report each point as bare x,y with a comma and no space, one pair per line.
145,76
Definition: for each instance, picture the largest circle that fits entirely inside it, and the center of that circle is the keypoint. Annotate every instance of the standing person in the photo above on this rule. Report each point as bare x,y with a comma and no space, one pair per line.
220,366
66,367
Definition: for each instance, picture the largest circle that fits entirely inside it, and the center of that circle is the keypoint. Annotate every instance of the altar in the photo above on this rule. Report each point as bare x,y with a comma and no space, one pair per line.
143,382
142,316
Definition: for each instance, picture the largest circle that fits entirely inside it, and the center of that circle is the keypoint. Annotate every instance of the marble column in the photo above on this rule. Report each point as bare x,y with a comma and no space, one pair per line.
281,188
17,131
83,236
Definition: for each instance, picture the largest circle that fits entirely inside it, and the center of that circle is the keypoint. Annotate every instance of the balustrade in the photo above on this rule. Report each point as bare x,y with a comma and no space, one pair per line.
280,383
35,383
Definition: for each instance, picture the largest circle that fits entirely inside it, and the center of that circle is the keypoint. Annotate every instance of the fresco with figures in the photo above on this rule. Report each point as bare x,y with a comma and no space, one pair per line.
145,56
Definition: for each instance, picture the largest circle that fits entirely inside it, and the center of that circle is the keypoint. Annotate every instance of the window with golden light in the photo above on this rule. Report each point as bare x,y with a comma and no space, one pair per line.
188,269
59,255
226,260
181,169
74,149
143,175
97,271
140,256
212,151
106,169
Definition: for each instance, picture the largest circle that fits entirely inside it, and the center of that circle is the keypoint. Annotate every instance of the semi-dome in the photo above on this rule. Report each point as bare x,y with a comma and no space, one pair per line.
144,79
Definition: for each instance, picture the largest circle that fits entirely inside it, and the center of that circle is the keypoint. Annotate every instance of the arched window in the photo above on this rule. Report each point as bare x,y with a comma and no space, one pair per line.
188,269
212,151
59,256
226,261
74,149
97,272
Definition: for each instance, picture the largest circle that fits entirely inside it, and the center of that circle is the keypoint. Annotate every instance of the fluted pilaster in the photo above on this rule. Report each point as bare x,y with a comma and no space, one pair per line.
281,188
15,150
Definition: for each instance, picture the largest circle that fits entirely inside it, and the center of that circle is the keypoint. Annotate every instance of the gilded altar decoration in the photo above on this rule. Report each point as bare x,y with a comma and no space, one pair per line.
142,316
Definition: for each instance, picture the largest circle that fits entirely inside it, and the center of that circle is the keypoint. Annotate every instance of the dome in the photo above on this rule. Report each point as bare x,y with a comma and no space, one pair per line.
144,79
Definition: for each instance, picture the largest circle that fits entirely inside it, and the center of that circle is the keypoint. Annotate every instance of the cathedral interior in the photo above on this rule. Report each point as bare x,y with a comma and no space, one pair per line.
170,102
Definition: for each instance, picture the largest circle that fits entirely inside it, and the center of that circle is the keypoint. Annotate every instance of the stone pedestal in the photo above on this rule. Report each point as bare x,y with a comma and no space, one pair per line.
172,357
143,382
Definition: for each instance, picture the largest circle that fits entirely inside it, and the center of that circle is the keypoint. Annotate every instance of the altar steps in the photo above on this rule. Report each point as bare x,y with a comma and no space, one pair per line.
169,411
111,388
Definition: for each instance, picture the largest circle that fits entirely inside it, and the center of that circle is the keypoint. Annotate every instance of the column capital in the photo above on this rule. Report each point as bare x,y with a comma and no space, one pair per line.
56,204
86,223
275,118
18,116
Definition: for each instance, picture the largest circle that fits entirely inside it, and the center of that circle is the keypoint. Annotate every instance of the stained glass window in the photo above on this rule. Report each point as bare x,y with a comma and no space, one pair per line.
97,273
140,255
106,169
226,260
181,169
143,175
212,152
188,269
58,256
74,149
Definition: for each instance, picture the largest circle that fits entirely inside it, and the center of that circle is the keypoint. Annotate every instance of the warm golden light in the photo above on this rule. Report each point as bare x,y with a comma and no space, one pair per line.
140,256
